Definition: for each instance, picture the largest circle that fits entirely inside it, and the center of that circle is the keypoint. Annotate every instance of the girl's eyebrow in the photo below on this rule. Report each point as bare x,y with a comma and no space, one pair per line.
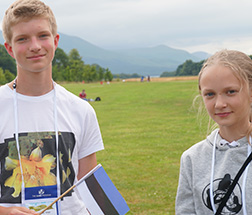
206,89
226,88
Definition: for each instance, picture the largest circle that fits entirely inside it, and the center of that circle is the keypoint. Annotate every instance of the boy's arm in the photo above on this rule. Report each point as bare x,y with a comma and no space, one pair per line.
86,164
16,211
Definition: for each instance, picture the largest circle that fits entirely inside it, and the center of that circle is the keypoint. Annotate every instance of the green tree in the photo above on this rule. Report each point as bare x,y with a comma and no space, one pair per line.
100,74
93,73
60,58
168,74
189,68
76,66
2,77
8,76
108,75
6,61
88,74
74,55
60,63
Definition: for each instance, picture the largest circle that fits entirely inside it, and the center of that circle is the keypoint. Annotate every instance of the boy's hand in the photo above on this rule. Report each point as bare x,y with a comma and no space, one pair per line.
19,211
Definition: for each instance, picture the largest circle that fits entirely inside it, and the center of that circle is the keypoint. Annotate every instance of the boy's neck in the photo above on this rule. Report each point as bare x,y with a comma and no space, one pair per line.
33,85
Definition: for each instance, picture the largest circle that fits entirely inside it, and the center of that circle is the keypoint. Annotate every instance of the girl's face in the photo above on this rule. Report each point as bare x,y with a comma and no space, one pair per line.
226,99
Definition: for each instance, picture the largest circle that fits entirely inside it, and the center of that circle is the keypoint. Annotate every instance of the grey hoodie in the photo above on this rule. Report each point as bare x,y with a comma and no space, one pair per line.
195,173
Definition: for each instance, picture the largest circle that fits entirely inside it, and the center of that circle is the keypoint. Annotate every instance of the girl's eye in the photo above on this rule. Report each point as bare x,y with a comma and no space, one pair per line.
209,94
230,92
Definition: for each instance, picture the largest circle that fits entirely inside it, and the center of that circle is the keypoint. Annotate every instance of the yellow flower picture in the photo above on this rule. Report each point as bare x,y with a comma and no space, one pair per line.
36,171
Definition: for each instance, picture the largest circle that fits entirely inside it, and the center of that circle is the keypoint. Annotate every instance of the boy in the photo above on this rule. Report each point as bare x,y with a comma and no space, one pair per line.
46,142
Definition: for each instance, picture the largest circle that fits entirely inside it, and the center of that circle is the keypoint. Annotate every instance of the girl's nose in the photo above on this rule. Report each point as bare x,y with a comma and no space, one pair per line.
220,102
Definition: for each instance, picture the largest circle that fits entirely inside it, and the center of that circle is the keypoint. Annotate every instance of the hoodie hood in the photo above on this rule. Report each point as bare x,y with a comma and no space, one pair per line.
222,144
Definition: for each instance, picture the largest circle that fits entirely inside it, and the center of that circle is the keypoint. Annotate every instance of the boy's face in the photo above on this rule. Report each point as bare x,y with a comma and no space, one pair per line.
32,45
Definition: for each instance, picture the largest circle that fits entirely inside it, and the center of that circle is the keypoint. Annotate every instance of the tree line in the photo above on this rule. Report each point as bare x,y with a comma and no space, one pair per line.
188,68
65,67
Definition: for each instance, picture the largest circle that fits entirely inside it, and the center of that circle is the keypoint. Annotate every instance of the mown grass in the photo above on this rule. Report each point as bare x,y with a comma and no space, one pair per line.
145,127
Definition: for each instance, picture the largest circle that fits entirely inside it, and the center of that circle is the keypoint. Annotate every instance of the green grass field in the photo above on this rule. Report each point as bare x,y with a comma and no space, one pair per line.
145,127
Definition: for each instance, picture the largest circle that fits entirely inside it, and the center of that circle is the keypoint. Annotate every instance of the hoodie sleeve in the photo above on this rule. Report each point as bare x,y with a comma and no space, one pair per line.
185,199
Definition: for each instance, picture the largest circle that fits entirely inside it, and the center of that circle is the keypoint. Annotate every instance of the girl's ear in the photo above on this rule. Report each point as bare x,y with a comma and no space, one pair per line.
8,48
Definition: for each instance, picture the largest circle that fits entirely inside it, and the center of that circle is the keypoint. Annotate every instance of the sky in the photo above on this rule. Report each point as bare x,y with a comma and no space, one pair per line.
191,25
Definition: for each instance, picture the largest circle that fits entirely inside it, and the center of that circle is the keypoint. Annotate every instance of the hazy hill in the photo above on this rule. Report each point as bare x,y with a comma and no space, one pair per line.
144,61
201,55
1,38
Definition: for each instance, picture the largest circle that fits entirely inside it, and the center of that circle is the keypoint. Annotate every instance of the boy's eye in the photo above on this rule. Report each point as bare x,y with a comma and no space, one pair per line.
20,39
43,35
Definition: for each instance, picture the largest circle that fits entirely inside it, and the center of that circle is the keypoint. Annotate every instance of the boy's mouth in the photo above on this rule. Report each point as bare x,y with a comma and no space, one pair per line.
36,57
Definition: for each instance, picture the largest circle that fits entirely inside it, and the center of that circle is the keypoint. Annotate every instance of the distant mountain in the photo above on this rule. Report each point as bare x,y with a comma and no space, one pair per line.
161,56
143,61
1,38
201,55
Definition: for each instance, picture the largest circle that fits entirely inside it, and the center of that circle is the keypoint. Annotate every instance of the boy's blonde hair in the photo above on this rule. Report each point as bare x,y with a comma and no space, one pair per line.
25,10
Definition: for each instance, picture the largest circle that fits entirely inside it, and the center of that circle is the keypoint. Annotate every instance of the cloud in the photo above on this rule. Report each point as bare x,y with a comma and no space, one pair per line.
118,24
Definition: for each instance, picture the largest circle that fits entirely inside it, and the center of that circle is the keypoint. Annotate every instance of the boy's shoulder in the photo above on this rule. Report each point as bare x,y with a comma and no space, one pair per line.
68,97
63,93
5,91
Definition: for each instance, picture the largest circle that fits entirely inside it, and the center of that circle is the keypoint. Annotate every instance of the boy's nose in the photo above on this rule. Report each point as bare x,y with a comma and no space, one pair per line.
35,45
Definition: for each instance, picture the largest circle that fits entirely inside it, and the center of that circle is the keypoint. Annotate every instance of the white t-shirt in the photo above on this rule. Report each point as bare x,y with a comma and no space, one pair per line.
79,136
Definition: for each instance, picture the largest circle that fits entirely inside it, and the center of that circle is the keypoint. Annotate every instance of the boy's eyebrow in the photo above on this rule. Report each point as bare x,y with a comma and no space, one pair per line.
44,31
24,34
19,35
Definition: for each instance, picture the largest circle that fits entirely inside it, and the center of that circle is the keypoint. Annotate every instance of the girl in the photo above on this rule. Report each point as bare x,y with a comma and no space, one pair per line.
209,167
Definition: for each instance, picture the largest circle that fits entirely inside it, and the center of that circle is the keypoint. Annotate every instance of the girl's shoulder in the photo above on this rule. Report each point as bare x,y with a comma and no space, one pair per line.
202,148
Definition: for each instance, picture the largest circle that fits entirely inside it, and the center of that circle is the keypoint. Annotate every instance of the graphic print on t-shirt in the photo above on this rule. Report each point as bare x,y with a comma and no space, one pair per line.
38,159
220,188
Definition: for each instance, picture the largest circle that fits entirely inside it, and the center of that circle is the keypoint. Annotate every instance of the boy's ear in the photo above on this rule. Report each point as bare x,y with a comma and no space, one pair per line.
8,48
56,41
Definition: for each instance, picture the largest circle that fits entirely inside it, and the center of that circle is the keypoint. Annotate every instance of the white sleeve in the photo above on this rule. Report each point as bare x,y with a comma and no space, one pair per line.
91,141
